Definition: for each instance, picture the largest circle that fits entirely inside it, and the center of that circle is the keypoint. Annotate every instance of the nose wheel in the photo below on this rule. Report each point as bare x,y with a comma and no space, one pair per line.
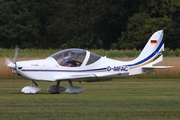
31,89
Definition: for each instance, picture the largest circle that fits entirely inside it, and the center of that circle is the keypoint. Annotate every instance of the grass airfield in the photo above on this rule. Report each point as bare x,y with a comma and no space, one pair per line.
152,97
120,99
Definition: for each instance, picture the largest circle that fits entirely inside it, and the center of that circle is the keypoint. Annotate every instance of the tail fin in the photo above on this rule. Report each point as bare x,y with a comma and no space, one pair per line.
152,52
150,55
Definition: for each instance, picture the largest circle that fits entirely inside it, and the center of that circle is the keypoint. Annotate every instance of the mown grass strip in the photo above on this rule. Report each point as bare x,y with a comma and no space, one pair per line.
118,99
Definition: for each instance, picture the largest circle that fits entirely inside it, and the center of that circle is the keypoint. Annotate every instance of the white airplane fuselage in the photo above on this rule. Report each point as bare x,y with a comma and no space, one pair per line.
48,69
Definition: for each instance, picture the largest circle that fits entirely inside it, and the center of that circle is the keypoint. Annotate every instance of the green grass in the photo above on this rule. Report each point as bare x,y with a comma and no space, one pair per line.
123,99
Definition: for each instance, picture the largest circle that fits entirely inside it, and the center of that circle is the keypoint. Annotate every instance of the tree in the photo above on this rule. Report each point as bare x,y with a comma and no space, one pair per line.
88,24
19,26
140,28
153,15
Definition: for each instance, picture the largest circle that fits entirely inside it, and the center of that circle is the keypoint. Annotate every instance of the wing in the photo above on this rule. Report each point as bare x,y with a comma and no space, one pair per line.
90,75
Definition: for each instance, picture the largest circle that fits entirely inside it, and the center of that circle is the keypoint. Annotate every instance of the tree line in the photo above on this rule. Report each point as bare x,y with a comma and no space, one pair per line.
92,24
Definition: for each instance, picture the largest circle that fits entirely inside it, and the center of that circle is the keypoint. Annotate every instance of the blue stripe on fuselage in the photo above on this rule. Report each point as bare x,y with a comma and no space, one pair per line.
99,69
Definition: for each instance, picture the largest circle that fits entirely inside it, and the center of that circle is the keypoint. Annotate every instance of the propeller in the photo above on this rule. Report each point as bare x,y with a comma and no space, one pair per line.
11,64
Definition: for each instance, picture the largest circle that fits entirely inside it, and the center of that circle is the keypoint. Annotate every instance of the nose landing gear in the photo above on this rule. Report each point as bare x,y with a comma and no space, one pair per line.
31,89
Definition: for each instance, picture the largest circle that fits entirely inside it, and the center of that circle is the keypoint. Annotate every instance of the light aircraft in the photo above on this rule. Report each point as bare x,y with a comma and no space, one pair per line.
81,65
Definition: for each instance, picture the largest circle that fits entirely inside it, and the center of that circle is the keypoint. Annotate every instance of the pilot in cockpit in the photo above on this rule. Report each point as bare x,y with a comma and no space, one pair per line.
68,60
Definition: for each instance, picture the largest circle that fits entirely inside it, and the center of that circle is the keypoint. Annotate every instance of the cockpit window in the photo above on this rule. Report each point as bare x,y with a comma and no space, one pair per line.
70,57
93,58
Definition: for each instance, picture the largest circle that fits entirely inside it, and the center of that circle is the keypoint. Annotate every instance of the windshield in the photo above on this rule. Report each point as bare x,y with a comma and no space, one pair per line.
76,56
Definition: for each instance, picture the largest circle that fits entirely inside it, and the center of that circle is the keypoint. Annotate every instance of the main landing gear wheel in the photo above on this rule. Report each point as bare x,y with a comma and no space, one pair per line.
56,89
74,89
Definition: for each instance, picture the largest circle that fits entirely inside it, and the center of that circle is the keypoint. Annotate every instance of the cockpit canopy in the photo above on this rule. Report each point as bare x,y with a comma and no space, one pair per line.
78,55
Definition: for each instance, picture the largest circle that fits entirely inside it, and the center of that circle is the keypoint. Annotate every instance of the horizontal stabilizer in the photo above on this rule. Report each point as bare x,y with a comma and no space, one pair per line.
151,68
157,67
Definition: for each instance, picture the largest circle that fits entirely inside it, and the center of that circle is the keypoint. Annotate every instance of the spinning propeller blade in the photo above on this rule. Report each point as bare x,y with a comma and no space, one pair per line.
11,64
15,54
